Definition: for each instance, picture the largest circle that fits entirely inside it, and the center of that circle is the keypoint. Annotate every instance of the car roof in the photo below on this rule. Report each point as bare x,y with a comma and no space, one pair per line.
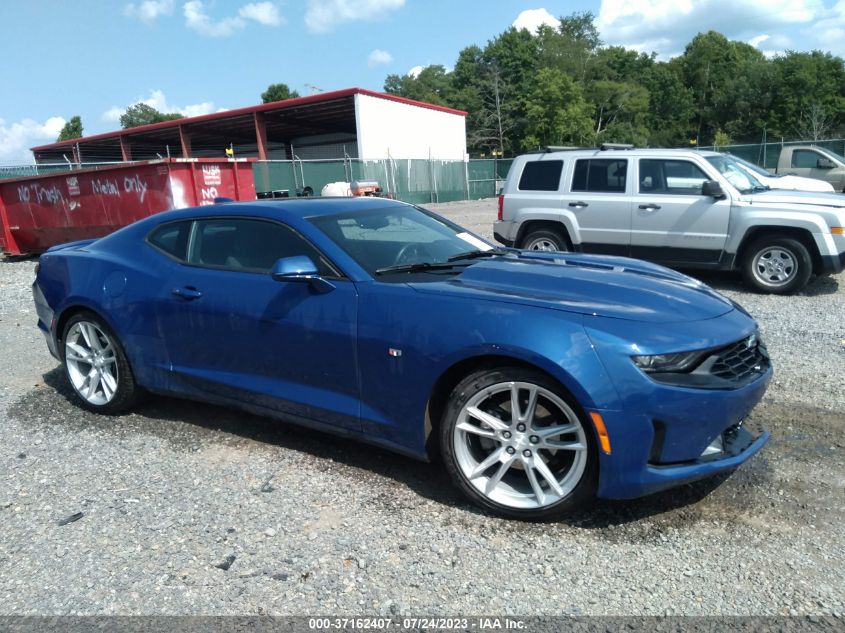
280,207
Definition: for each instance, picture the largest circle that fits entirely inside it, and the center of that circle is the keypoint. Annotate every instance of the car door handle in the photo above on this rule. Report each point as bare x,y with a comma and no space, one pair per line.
650,207
188,293
579,204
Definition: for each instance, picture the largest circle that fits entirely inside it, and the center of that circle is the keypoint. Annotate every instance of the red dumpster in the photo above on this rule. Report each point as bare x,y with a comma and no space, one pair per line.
40,211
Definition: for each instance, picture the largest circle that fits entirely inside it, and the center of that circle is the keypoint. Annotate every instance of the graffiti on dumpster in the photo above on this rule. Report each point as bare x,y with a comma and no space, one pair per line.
42,195
131,184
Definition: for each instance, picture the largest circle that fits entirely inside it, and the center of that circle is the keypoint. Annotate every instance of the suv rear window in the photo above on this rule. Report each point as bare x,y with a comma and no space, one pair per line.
600,174
541,175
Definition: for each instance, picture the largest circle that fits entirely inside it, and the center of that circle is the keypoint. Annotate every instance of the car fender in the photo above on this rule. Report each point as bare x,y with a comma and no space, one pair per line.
749,218
540,214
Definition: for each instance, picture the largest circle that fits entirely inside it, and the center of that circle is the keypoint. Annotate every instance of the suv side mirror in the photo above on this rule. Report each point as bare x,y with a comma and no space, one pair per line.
713,189
300,268
824,163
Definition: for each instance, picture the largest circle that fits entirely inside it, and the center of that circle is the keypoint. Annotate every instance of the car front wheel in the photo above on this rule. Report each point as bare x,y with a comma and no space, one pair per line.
514,444
777,265
96,365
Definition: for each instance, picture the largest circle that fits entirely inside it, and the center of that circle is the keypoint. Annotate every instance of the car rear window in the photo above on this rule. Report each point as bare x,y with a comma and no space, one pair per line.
172,238
600,174
541,175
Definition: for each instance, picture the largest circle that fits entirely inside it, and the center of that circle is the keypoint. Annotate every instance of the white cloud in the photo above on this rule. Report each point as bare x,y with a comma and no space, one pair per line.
323,16
532,19
158,101
415,71
197,19
265,13
830,30
666,26
148,11
16,138
378,57
756,41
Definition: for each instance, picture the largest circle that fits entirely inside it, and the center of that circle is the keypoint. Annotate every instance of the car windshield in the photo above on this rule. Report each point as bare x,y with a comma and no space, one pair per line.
832,154
400,239
735,174
755,168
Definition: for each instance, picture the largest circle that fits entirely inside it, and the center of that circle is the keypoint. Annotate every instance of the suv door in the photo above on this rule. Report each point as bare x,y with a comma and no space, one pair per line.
672,222
805,162
599,200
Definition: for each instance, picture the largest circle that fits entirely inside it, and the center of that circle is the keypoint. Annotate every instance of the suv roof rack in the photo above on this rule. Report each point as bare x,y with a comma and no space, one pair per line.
555,148
606,146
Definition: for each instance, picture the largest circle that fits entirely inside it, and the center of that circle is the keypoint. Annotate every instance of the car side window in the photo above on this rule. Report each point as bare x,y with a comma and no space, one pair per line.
541,175
172,238
678,177
249,245
600,175
805,158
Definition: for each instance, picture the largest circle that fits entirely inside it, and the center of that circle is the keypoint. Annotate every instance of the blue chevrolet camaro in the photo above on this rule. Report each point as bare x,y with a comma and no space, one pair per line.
541,379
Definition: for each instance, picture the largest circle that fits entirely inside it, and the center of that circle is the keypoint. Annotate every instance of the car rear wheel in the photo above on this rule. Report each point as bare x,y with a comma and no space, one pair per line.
544,240
96,365
777,265
514,444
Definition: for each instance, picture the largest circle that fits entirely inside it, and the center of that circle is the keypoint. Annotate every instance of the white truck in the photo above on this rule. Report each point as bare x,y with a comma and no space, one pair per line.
681,208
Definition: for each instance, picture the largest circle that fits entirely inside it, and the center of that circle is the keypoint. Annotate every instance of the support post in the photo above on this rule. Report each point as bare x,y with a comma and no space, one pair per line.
185,140
125,149
260,135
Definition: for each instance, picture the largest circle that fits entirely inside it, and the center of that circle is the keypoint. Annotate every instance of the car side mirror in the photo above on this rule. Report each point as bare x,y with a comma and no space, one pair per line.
825,163
300,268
713,189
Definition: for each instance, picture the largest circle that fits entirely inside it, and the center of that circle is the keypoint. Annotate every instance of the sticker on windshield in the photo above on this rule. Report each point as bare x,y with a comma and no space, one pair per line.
471,239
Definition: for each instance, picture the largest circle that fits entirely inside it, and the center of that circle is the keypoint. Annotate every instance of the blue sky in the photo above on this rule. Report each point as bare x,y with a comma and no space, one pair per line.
95,57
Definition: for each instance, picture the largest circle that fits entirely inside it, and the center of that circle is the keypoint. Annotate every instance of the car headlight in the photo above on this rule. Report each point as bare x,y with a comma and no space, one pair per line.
676,362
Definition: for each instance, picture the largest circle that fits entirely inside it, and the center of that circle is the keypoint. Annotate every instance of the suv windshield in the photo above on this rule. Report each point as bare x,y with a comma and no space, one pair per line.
738,177
402,239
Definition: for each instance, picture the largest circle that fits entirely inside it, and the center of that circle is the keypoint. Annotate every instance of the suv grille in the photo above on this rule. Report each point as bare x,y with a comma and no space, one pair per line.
739,361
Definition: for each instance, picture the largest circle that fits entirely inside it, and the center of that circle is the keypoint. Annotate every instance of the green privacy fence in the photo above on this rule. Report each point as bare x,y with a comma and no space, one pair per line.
412,180
417,181
766,154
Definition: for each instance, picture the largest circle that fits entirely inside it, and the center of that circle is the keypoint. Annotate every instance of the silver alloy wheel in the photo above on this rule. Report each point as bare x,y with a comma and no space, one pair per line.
91,363
541,244
520,445
774,266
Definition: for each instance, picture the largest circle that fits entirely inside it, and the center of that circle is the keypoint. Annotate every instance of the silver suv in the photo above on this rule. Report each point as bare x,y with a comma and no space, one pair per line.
681,208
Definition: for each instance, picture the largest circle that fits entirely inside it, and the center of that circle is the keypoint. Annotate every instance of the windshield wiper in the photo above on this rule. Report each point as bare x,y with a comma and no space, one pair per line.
476,254
416,268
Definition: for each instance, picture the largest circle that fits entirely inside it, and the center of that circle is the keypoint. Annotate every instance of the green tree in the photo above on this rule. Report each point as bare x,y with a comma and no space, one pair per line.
621,112
143,114
670,107
72,129
278,92
571,47
432,85
556,112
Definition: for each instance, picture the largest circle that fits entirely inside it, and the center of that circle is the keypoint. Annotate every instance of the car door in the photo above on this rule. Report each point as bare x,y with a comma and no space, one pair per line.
805,163
234,332
671,221
600,201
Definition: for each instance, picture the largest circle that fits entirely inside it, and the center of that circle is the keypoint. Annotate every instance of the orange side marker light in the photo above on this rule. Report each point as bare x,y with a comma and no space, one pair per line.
604,438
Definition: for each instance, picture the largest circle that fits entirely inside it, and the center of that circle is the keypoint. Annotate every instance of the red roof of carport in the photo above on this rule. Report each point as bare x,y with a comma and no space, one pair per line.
263,107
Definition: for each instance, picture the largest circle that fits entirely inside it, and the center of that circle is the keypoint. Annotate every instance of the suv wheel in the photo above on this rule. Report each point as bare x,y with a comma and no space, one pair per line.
777,264
544,240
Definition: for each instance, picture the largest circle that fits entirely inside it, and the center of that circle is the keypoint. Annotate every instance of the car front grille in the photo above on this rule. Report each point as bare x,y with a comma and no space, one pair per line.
740,360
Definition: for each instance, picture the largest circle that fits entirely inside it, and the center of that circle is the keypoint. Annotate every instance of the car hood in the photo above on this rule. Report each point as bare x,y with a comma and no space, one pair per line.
798,182
785,196
615,287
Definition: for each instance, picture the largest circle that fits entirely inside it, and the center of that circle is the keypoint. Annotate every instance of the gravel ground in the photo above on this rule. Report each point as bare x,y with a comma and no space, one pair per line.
194,509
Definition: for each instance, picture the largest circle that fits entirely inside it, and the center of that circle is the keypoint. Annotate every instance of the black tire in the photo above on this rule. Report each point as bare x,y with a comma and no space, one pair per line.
579,472
544,240
126,392
777,264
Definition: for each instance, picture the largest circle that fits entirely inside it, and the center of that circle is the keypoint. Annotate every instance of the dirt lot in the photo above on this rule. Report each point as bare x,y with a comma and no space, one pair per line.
194,509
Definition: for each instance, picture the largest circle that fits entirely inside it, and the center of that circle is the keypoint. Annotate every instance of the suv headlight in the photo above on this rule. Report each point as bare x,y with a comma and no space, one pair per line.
676,362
